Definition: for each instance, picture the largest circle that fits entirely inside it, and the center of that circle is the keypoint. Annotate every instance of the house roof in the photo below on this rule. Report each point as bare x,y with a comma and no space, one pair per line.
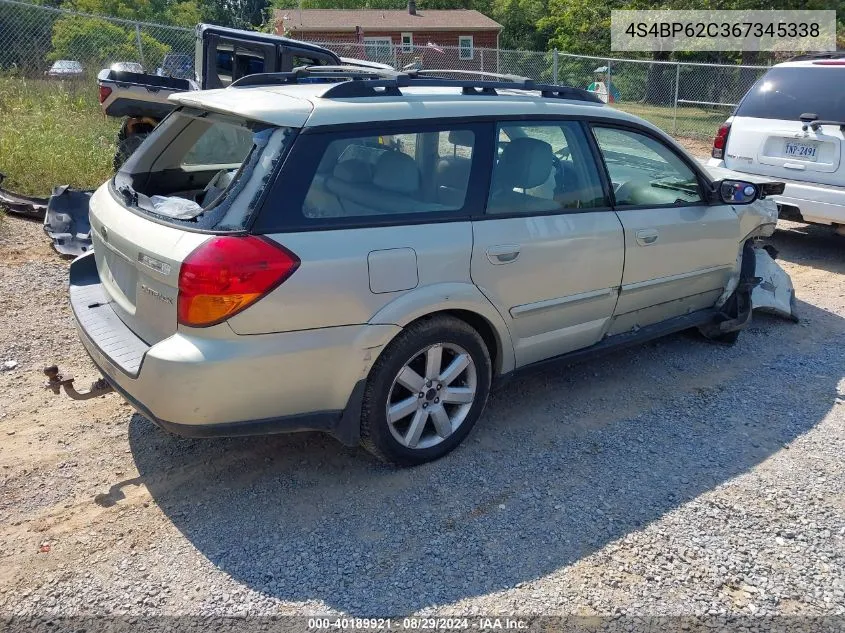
306,20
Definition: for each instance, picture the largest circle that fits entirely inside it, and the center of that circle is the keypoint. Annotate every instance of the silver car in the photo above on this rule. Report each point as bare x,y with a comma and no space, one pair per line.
65,69
367,253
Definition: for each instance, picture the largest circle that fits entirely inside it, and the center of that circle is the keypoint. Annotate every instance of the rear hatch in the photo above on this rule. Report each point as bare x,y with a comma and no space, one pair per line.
768,136
197,176
138,262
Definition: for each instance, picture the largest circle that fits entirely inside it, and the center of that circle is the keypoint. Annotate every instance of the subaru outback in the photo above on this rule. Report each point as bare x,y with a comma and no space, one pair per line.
366,253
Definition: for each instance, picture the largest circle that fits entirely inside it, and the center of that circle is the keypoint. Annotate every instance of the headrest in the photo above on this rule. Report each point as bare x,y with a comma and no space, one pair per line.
462,138
354,171
397,172
329,159
525,163
453,172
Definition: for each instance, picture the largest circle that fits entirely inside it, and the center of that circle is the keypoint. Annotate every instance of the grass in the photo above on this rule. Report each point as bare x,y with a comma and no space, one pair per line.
53,133
692,122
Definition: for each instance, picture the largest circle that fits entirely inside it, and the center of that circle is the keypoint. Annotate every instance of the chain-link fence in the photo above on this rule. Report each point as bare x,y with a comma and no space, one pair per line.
685,99
36,37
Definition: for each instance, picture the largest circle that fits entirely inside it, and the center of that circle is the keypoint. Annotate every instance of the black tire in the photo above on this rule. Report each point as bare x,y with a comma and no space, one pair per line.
125,146
376,434
727,338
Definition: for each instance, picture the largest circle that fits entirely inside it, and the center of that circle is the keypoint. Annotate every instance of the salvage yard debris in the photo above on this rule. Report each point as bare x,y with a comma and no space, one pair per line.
26,206
64,213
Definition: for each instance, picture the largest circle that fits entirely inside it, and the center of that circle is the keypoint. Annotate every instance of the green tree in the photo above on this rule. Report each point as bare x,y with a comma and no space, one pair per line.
519,19
96,43
241,14
176,12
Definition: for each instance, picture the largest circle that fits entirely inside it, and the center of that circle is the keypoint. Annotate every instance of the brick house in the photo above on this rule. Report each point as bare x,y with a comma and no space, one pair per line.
454,38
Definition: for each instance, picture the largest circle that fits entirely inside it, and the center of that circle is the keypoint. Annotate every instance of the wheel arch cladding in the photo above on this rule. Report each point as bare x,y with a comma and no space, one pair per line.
463,301
478,322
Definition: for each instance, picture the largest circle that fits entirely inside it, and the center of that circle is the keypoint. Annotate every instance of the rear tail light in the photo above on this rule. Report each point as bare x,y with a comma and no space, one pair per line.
226,274
105,91
721,141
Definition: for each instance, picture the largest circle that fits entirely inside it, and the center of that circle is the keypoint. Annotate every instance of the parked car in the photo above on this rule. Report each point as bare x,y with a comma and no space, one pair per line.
223,55
368,257
65,69
127,67
790,126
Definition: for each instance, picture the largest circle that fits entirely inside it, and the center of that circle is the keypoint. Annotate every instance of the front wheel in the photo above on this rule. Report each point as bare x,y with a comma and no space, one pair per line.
425,392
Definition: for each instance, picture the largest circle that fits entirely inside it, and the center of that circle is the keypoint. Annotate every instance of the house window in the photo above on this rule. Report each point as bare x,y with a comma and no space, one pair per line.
465,46
379,49
407,42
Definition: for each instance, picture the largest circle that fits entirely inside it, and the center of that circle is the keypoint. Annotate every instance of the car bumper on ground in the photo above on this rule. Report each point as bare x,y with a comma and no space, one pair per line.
197,385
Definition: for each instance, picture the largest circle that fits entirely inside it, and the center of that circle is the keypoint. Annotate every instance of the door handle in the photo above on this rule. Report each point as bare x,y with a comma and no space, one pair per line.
647,237
502,253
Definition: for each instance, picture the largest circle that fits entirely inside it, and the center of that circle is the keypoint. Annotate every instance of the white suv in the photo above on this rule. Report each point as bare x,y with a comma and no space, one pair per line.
790,126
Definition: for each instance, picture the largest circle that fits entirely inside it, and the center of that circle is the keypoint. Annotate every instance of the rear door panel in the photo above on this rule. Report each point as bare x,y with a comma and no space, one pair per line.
559,293
549,251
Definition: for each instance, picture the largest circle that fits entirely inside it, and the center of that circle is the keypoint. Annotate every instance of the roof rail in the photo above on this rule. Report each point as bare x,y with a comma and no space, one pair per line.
819,55
351,82
312,72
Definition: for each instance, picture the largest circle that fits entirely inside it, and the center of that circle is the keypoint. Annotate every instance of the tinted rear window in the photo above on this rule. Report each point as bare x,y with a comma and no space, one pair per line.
788,92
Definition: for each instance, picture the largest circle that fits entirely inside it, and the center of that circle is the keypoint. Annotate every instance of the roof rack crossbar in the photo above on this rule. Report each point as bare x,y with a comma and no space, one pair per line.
352,81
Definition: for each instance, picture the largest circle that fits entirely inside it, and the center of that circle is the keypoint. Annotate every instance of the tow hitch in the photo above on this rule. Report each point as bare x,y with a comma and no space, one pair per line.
56,380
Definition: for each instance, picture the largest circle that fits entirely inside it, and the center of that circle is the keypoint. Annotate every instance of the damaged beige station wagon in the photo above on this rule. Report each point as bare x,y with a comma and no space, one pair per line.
366,253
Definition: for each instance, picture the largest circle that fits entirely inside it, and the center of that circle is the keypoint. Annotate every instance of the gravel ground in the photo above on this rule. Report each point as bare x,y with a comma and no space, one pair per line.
678,478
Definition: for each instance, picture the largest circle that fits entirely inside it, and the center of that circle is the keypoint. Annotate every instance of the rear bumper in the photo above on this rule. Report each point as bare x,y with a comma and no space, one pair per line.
819,204
202,386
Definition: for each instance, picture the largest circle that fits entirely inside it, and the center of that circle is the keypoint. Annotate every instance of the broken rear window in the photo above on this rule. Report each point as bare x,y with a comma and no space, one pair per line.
201,169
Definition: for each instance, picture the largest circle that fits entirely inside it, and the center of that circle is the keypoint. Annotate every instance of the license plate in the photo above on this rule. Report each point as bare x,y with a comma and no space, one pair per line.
802,151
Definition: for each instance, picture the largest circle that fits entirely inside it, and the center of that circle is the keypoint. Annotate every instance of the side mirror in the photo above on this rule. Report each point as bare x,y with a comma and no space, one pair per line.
737,192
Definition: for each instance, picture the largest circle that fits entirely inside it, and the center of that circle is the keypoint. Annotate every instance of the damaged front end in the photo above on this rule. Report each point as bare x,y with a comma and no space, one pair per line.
758,282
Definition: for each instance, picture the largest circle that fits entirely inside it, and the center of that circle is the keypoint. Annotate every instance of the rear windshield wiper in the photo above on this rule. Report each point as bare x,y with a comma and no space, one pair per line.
812,120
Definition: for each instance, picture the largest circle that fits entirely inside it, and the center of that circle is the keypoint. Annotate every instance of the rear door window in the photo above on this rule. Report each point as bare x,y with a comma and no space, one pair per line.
543,168
788,92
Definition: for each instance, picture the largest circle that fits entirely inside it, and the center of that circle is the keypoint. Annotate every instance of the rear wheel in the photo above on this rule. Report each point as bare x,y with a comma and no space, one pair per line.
425,392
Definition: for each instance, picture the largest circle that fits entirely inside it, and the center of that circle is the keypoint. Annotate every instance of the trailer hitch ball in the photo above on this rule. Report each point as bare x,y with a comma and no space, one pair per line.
56,380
